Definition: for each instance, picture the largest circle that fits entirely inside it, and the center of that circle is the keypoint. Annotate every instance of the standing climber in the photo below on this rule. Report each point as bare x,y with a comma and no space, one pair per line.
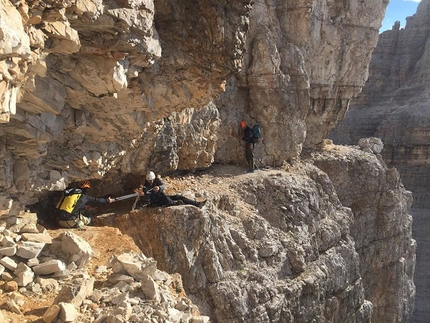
152,193
249,145
69,208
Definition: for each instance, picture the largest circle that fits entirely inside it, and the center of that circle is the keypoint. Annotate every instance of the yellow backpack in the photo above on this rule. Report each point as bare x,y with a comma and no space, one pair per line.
69,199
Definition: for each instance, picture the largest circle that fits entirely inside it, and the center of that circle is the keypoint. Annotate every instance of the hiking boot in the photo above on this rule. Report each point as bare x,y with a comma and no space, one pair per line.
178,202
250,171
201,204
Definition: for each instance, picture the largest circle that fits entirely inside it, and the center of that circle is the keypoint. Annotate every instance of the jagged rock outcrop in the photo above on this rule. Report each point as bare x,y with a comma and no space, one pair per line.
381,207
394,103
282,246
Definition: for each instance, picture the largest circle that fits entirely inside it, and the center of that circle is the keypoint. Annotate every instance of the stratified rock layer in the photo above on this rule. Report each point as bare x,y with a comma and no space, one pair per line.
394,106
102,89
394,103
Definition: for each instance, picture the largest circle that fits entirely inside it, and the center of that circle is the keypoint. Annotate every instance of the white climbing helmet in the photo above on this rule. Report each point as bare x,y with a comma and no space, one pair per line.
150,176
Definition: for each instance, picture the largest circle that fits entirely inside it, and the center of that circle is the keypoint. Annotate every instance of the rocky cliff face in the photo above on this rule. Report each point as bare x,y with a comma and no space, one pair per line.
394,107
380,205
281,245
294,81
105,90
394,103
97,89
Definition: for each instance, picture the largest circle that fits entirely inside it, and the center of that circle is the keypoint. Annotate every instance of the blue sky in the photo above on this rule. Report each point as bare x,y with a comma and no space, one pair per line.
398,10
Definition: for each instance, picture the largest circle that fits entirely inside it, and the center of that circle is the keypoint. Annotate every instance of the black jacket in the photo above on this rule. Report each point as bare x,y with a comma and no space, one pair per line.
86,199
80,205
154,196
247,134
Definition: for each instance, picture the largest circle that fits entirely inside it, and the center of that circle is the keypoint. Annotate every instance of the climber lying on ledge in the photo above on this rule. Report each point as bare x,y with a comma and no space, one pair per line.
152,194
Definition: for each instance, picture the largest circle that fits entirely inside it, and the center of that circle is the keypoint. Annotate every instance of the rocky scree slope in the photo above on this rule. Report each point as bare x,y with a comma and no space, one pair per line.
96,275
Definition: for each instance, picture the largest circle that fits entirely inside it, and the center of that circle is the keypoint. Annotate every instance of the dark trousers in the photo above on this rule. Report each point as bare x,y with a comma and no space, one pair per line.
168,200
249,155
184,199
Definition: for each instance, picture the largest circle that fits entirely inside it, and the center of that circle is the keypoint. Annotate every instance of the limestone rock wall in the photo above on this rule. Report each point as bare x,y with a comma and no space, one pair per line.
297,78
86,90
102,89
394,107
394,103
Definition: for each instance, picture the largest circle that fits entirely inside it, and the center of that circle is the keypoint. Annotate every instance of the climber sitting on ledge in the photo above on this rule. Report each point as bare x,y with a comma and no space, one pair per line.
152,194
73,202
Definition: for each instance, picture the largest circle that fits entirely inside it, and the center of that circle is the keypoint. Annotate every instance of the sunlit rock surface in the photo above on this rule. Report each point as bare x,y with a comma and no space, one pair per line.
102,89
